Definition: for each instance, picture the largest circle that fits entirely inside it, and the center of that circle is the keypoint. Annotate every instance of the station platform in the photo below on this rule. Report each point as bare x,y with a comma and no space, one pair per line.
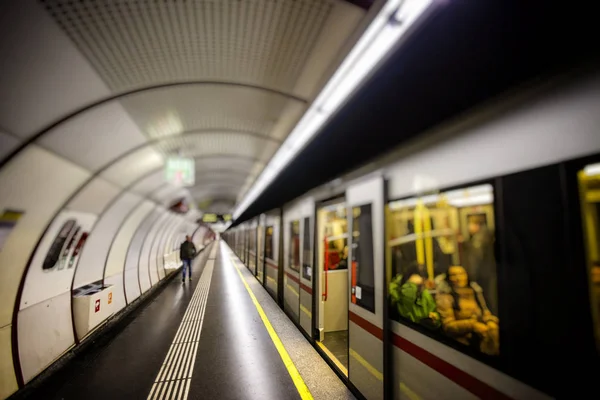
218,336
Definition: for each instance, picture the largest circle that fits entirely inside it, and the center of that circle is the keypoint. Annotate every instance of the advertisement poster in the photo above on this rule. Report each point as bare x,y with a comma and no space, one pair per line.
54,263
8,221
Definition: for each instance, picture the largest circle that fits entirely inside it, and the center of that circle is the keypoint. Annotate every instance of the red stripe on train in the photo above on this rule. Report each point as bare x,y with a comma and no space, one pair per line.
307,289
272,265
292,277
366,325
470,383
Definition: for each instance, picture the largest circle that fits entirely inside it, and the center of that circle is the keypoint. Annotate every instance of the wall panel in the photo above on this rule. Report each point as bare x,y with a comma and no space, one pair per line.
93,258
39,183
132,276
154,249
163,249
118,251
7,144
45,332
95,196
145,273
52,268
118,293
95,138
133,167
8,381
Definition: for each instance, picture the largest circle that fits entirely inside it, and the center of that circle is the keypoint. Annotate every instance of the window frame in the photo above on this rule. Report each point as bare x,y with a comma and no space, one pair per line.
306,242
267,236
499,362
291,264
354,273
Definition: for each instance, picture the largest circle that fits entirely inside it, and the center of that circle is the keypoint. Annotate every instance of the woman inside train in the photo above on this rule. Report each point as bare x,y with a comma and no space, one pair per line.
464,312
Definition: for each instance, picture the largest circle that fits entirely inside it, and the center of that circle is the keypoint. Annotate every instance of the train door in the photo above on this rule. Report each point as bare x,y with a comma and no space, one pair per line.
365,202
272,255
260,248
306,275
589,186
291,265
332,266
252,247
246,244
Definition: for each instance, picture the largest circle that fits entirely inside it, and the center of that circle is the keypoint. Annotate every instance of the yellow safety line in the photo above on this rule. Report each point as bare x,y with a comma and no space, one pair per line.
333,358
374,371
292,289
287,361
305,310
408,392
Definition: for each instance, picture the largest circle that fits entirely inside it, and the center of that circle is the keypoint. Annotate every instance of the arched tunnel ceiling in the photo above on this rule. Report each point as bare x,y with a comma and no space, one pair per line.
223,82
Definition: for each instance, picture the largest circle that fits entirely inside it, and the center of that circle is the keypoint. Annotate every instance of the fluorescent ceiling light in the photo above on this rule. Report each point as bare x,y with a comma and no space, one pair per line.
384,32
593,169
478,200
471,196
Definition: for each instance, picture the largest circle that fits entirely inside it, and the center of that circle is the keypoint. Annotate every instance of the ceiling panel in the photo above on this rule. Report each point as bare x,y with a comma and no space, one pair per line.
177,109
262,42
8,143
95,138
199,78
214,190
208,145
44,76
223,163
150,183
221,206
171,193
133,167
94,196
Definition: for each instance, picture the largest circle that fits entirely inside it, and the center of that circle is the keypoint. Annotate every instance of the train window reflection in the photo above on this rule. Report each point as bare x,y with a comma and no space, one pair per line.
252,250
441,248
294,260
363,271
307,254
269,243
589,184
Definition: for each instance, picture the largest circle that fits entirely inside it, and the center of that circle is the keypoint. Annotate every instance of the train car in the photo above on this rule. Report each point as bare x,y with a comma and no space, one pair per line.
463,265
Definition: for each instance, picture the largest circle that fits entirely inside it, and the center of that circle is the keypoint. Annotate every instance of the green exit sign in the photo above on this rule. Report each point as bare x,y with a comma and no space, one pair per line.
180,171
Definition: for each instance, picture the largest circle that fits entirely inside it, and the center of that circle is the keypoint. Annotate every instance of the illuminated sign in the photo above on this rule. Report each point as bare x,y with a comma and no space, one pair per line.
209,218
226,217
180,171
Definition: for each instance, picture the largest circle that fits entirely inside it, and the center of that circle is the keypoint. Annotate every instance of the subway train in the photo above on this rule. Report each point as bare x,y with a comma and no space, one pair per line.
465,264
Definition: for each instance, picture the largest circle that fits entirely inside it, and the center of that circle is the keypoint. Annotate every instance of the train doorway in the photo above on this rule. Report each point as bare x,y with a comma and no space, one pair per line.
332,263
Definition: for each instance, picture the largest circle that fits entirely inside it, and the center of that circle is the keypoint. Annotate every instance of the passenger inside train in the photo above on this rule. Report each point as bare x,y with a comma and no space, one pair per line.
589,186
442,258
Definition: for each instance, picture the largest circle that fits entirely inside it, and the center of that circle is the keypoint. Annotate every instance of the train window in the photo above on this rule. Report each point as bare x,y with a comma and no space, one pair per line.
336,238
443,265
294,261
307,254
269,243
363,271
589,184
252,246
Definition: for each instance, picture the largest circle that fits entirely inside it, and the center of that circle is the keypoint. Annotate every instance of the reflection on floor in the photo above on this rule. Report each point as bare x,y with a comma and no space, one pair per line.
337,344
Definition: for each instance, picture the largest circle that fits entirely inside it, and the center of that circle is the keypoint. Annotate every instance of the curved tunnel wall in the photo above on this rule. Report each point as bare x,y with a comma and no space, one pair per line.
71,147
130,237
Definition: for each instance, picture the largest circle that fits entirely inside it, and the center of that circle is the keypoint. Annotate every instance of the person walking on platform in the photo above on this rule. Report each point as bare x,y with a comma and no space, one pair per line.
187,251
